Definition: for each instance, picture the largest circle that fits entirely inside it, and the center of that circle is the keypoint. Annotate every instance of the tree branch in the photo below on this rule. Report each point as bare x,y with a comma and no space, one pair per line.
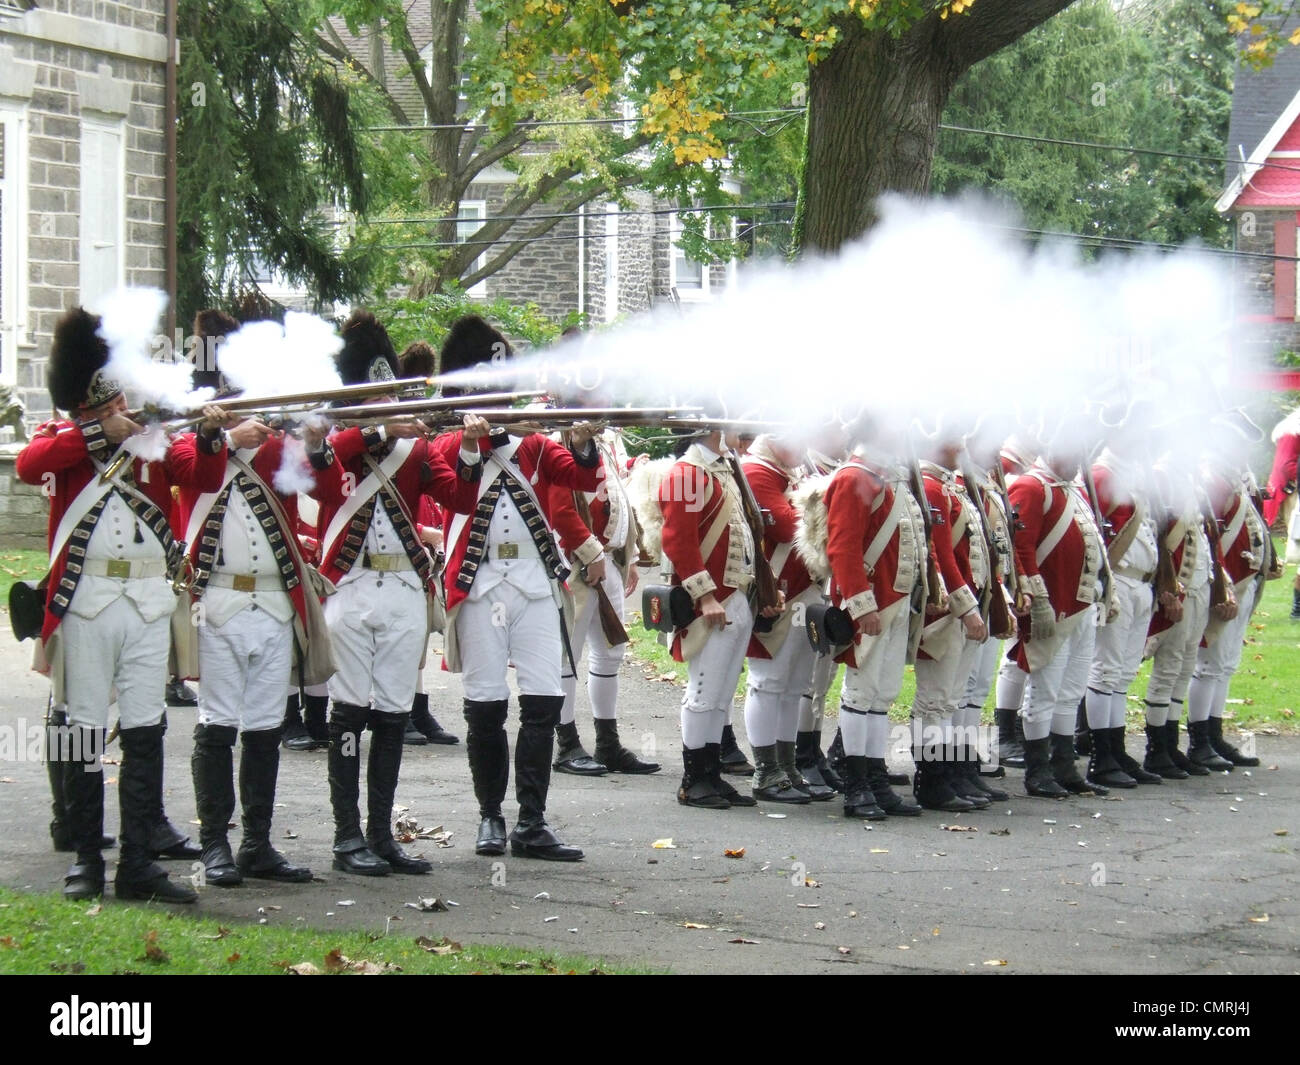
989,26
340,53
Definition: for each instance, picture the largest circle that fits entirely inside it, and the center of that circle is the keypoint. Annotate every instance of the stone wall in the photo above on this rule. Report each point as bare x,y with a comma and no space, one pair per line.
91,56
24,511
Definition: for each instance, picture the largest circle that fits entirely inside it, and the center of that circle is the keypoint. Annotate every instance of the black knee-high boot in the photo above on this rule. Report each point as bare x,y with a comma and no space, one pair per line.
387,732
259,767
488,748
351,852
140,798
212,767
532,837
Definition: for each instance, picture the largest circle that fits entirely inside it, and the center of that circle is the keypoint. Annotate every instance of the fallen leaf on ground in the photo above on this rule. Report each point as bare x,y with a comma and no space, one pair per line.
222,932
303,968
810,882
9,941
741,939
1279,832
694,924
959,828
153,952
1261,919
95,910
233,958
996,961
820,926
1000,832
844,950
664,844
879,850
442,946
739,852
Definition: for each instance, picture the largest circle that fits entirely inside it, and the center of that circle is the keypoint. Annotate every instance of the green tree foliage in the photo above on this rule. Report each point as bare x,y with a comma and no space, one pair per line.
266,141
1158,77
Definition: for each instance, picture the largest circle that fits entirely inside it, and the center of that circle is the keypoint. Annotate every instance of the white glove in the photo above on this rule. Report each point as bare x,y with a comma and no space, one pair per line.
1042,618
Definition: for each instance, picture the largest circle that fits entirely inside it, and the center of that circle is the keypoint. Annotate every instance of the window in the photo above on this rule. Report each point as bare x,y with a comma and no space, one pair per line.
473,213
13,165
689,278
611,262
103,209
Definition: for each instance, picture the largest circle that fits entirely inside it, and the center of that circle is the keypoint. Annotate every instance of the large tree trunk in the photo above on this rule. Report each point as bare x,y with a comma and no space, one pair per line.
874,105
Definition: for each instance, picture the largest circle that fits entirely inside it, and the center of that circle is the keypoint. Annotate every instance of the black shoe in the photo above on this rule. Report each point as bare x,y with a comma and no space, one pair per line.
351,852
1011,738
611,753
1201,752
731,758
82,882
934,790
959,780
812,764
488,748
259,768
1039,779
571,757
426,724
887,798
1103,766
293,733
491,837
1175,752
212,769
1226,750
167,842
732,796
401,862
414,735
536,840
970,770
832,765
697,788
355,856
859,797
181,694
156,888
1063,768
532,837
1159,761
788,759
219,867
317,737
770,781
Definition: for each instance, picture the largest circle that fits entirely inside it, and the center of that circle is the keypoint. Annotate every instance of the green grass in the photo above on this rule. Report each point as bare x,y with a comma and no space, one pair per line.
20,566
1265,692
44,934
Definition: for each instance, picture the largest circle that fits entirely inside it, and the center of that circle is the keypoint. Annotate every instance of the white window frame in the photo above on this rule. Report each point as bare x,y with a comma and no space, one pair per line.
114,127
686,295
13,240
611,261
473,211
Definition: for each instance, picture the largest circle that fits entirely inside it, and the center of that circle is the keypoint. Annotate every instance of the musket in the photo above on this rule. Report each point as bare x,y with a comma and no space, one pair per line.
767,594
413,408
307,400
934,584
1094,501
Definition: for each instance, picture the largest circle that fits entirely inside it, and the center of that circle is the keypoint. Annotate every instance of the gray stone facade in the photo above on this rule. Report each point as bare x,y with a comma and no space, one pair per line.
61,64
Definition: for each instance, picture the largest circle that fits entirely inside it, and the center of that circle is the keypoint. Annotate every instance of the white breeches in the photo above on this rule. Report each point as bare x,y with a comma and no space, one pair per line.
1222,657
378,629
1053,693
116,649
505,628
1175,657
941,684
1118,654
878,677
712,676
244,671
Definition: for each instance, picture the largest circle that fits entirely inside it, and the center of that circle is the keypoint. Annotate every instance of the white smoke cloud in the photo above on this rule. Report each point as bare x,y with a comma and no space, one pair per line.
940,312
266,359
130,319
295,472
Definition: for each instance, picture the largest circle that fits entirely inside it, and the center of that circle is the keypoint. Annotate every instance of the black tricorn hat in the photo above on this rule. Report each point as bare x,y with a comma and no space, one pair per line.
211,326
367,353
77,360
472,342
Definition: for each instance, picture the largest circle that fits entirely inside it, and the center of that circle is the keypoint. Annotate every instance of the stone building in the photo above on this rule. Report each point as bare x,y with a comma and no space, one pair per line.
82,187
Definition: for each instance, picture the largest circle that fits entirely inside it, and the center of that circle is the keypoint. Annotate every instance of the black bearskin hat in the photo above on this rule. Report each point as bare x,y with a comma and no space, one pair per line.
367,353
77,359
211,326
471,342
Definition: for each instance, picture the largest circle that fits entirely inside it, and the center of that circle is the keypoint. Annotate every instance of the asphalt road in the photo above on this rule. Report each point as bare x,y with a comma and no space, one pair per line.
1198,877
